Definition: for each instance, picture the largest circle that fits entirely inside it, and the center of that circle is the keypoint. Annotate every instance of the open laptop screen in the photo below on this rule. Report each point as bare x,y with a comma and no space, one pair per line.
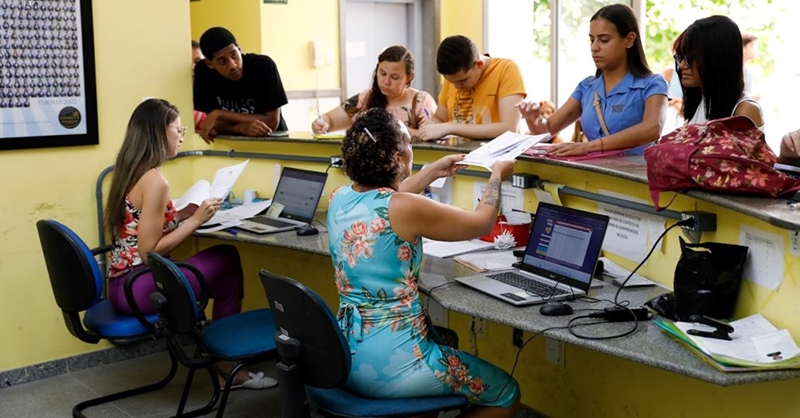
299,192
566,241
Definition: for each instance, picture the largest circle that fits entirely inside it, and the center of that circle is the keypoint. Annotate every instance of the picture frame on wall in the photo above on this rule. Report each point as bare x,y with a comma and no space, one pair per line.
48,95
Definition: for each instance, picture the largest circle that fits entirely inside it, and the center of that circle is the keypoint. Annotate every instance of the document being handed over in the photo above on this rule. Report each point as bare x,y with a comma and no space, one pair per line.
507,146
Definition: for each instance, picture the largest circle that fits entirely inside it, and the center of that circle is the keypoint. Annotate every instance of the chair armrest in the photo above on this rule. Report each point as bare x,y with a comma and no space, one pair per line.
101,250
129,279
203,299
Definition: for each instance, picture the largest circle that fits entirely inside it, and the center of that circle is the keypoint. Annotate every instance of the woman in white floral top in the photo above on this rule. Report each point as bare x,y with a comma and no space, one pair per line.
375,227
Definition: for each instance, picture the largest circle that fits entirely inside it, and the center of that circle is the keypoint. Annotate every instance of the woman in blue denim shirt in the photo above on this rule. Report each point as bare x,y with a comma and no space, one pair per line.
632,99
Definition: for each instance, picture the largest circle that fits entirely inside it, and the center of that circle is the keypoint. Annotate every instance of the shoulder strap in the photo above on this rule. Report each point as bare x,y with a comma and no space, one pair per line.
412,118
600,114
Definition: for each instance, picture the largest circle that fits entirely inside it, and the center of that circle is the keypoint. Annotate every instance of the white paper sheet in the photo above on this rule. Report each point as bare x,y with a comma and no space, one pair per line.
487,260
764,264
237,213
507,146
223,182
443,249
754,337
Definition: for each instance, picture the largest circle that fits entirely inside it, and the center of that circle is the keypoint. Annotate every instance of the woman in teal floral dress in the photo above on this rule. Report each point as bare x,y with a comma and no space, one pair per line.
375,227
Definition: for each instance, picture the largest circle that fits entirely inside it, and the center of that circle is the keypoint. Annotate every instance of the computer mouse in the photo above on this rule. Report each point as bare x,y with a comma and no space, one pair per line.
555,309
307,229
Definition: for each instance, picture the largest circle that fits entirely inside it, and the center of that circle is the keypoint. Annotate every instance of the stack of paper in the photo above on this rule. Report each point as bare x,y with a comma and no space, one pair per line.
443,249
507,146
487,260
755,344
619,274
330,135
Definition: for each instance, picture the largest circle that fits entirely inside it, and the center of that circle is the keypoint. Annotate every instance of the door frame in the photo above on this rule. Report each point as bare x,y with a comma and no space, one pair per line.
424,37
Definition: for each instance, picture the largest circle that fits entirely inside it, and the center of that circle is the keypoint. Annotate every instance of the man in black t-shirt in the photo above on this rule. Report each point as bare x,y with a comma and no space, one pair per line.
241,94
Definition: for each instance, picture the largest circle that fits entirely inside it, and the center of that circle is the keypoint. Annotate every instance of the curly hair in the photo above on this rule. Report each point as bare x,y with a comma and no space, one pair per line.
369,147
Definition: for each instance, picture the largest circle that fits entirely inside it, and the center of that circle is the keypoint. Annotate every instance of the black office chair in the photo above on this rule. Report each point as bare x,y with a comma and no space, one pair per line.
315,360
78,285
244,338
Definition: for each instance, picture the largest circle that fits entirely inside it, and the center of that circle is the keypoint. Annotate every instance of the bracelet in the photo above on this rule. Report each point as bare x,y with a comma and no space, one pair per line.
602,149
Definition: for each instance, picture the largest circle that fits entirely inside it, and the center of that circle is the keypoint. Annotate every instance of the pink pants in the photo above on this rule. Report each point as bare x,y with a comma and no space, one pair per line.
221,267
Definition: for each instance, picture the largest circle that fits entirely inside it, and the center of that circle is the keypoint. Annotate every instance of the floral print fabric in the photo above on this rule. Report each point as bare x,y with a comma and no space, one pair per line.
125,251
726,155
376,275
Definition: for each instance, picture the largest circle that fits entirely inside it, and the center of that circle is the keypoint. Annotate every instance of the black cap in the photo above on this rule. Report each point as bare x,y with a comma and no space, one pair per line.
214,40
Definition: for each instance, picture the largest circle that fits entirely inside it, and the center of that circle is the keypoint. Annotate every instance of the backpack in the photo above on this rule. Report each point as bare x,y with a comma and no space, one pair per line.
726,155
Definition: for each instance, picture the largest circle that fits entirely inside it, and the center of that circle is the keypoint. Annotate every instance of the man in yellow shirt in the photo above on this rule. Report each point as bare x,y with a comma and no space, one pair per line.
479,96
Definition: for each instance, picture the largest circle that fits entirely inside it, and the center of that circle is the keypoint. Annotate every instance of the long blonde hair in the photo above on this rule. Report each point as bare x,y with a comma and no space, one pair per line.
144,148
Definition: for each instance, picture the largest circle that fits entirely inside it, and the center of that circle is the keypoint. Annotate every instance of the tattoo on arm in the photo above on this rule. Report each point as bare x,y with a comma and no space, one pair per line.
491,196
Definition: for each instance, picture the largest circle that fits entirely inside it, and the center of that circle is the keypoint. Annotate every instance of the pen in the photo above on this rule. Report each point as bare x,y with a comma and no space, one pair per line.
427,114
428,192
232,231
319,118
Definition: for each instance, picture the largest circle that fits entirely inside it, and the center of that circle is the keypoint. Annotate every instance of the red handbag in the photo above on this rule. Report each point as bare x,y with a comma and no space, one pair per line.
724,155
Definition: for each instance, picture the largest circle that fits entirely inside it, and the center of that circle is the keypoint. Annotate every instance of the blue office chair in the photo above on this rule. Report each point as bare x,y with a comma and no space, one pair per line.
78,285
244,338
315,360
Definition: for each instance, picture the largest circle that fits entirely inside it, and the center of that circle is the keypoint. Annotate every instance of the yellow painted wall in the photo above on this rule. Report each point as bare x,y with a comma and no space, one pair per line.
239,17
142,49
60,184
286,34
463,17
592,384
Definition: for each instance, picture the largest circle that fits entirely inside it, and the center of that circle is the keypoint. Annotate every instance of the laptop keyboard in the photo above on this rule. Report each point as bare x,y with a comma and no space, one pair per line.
263,220
528,284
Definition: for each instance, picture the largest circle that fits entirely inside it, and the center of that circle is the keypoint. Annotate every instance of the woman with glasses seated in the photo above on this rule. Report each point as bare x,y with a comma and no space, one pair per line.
376,226
622,106
141,219
709,64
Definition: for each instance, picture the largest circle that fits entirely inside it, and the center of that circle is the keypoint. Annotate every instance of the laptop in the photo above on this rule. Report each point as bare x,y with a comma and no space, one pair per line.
559,261
299,192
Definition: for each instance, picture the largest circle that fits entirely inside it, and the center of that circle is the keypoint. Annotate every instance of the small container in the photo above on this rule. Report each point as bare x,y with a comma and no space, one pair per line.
520,232
249,196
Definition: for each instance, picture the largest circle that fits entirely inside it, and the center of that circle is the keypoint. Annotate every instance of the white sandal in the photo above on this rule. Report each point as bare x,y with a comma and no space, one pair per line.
257,381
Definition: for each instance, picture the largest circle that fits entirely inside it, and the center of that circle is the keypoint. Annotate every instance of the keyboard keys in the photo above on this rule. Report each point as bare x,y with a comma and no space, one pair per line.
528,284
263,220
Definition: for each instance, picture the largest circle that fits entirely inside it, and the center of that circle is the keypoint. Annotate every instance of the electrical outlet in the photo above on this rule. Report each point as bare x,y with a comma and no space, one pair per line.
336,161
436,312
478,326
516,338
555,352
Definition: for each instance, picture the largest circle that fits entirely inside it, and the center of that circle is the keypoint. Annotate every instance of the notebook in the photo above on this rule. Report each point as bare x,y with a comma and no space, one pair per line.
559,261
299,192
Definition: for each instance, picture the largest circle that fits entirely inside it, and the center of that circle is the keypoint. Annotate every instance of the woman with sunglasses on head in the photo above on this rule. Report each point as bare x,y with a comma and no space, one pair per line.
375,227
141,219
709,63
623,106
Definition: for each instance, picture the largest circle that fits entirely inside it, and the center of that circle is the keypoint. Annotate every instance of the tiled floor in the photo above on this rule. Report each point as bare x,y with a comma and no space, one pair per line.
54,397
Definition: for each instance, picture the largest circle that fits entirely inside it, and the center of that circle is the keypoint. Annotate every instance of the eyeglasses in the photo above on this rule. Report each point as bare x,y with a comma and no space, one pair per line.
181,129
683,59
